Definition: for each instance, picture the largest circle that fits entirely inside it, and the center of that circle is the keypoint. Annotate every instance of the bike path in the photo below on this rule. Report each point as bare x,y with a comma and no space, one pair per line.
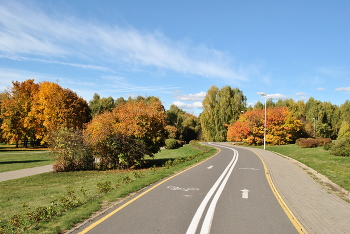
316,208
207,198
10,175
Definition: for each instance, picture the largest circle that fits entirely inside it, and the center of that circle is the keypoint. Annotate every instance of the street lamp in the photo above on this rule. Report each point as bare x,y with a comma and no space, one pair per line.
264,95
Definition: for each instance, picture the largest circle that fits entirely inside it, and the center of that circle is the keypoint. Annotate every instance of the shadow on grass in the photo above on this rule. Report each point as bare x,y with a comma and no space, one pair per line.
26,161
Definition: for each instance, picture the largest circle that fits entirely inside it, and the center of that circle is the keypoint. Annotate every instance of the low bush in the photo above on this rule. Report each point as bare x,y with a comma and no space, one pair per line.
171,144
69,150
340,148
312,143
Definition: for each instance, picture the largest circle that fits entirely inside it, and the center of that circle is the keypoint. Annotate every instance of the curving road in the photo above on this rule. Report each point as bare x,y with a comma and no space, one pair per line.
228,193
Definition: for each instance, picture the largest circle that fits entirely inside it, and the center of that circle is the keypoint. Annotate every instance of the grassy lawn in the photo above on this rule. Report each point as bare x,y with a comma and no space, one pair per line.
41,190
11,159
336,168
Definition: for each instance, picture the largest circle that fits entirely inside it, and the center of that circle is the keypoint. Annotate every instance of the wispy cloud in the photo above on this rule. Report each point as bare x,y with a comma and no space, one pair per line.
120,84
301,94
182,105
7,75
320,89
21,58
191,97
343,89
26,29
333,71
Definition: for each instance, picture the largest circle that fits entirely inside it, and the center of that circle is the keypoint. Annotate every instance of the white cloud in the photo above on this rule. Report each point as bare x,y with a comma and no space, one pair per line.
28,30
191,97
320,89
301,94
120,84
8,75
273,96
20,58
182,105
276,96
343,89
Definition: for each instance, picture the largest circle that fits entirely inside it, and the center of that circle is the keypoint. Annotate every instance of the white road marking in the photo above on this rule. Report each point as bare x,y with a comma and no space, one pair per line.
210,167
245,168
245,193
183,189
210,213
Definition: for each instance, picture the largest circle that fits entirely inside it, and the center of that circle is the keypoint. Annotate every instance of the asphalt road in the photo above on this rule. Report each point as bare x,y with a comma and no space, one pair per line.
228,193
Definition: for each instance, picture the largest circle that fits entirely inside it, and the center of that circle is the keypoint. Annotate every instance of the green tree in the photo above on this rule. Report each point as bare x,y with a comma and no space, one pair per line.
258,106
99,105
187,125
344,130
221,107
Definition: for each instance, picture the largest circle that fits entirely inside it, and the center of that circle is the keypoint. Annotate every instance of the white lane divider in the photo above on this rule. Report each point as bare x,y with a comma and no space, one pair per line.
210,213
210,167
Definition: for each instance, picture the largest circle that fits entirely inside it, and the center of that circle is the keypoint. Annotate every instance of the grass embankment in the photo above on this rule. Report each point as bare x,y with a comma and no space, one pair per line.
41,190
336,168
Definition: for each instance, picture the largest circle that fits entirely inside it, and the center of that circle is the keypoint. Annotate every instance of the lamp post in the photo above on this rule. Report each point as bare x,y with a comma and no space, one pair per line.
264,95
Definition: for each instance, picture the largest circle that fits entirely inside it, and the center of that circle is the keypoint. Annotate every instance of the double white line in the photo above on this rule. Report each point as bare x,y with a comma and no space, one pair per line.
210,213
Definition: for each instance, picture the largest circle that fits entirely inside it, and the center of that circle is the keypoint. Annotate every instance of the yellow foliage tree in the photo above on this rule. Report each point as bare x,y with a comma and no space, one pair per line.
55,107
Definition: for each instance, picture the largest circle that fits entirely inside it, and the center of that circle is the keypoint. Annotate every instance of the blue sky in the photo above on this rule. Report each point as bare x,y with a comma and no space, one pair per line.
176,50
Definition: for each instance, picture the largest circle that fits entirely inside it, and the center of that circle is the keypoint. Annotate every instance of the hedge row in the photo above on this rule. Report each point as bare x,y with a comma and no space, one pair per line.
312,143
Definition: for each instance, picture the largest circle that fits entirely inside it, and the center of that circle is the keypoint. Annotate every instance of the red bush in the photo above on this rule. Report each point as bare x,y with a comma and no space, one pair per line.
312,143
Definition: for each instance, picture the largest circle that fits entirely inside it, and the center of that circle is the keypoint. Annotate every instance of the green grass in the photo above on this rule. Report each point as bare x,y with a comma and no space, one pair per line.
19,159
40,190
336,168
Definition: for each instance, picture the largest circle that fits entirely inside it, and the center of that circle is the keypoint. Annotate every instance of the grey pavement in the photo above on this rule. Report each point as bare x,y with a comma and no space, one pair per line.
315,207
10,175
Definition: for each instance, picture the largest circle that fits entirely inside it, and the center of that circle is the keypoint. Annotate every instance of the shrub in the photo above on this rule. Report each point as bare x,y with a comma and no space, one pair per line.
104,187
307,142
341,148
69,150
170,144
324,141
312,143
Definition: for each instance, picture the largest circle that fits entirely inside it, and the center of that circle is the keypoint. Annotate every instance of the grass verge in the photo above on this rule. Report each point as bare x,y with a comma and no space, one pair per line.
93,189
11,160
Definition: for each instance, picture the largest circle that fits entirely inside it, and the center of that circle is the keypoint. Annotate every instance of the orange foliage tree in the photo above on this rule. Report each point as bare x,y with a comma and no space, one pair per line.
282,127
55,107
122,137
16,104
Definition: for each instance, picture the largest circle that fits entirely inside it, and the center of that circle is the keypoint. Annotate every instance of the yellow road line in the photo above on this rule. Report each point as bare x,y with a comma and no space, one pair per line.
137,197
284,206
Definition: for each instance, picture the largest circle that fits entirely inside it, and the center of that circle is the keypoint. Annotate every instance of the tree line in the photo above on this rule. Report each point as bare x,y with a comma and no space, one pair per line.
104,133
109,133
226,116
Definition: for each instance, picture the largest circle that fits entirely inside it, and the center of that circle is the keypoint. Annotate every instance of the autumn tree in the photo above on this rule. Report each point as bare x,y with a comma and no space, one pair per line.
282,127
133,129
144,119
55,107
220,107
16,103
